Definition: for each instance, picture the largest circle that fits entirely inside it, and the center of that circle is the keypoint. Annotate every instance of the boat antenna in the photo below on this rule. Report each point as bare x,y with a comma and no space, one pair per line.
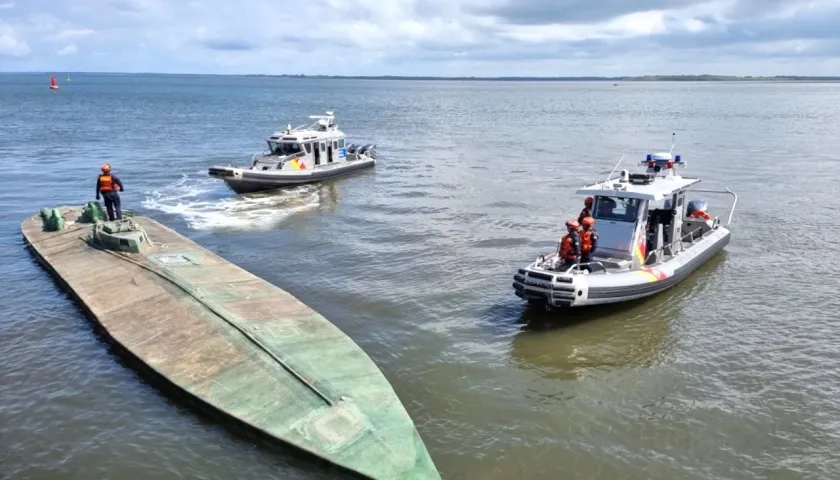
673,141
613,170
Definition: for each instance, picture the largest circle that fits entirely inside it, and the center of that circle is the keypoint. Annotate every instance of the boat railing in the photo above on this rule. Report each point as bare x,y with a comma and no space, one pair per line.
725,191
579,266
282,158
691,236
262,154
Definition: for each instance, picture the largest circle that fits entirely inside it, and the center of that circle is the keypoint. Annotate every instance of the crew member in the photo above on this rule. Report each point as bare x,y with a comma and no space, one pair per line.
106,185
588,242
569,251
587,209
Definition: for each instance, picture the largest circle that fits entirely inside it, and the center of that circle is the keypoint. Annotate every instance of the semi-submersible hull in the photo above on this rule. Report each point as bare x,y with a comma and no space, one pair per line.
243,348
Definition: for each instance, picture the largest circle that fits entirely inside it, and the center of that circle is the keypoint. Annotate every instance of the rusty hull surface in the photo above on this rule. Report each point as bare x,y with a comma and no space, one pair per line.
239,344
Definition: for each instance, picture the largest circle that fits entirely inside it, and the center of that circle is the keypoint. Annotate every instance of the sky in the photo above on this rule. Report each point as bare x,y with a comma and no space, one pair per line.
423,37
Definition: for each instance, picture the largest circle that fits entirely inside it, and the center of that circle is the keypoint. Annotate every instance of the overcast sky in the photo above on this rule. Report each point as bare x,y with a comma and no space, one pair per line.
423,37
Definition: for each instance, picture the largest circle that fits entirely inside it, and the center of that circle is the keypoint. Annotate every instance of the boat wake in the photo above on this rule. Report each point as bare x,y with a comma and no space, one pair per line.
206,203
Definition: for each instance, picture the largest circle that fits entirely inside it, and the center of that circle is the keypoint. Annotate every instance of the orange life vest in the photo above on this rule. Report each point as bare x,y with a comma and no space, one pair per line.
106,183
701,214
567,247
586,240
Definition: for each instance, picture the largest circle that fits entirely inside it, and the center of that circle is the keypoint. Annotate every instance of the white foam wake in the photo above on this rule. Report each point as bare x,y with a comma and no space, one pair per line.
206,203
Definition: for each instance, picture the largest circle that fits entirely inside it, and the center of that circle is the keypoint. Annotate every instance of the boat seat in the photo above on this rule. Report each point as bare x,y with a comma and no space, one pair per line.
612,263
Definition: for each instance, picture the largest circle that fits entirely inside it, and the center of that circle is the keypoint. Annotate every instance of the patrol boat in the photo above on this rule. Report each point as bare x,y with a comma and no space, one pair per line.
304,154
649,238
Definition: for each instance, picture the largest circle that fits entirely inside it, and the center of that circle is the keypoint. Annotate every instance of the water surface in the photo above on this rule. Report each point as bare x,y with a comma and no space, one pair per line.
731,374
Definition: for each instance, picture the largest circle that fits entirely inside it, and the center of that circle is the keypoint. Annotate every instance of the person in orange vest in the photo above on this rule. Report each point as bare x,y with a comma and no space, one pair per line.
106,185
569,250
587,209
588,242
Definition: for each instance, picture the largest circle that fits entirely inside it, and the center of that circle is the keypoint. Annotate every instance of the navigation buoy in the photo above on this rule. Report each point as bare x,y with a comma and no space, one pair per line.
53,83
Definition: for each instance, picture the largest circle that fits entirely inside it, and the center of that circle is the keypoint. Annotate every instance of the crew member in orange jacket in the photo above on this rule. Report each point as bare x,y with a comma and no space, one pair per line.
588,242
106,185
569,250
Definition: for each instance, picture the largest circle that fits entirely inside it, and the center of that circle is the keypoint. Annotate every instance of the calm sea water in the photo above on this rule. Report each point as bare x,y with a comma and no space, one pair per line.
732,374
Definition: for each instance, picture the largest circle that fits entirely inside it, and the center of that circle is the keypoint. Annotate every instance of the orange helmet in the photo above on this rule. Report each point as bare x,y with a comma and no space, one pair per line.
106,168
588,201
573,224
588,221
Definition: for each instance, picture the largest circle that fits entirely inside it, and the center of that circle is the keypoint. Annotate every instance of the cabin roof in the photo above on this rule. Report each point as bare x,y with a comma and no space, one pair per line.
305,135
661,187
324,128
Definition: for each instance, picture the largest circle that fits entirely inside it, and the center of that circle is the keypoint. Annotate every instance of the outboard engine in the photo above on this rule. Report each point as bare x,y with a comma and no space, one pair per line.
369,149
697,220
351,148
696,205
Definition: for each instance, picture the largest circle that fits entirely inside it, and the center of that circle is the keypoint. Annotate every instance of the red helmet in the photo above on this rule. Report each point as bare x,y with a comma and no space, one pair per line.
588,221
573,224
588,201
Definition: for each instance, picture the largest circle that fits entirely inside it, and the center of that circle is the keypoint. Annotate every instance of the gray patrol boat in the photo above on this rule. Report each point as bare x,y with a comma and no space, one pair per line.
649,238
295,156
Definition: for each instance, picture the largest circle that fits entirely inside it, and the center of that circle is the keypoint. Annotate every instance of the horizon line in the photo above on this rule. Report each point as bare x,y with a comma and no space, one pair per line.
651,77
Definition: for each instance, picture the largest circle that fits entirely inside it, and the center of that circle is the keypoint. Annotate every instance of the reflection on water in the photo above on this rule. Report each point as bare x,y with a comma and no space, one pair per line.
593,340
573,343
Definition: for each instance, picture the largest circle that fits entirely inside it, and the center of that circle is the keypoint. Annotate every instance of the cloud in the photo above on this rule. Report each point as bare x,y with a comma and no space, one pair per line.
553,12
68,50
9,45
425,37
231,45
74,33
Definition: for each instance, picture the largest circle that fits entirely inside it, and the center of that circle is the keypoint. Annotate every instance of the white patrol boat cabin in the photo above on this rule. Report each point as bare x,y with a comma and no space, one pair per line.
649,238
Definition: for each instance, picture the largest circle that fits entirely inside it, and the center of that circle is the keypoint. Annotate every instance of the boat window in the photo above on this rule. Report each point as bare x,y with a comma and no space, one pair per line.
340,143
616,209
323,147
284,148
335,145
308,147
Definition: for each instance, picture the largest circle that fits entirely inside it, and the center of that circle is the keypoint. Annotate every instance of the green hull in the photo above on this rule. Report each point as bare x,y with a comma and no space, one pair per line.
234,342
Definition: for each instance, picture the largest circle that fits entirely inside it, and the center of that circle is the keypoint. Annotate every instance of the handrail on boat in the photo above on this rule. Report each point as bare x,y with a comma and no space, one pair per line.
724,191
682,239
263,154
577,266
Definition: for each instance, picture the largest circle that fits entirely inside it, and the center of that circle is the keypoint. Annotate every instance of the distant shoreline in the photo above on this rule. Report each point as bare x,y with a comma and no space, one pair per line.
642,78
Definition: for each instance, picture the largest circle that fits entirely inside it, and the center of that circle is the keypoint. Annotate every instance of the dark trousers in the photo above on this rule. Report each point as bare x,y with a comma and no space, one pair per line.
112,204
586,258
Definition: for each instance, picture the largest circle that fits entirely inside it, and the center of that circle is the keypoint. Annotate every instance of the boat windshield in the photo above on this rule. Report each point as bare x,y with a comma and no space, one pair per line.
616,209
279,148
